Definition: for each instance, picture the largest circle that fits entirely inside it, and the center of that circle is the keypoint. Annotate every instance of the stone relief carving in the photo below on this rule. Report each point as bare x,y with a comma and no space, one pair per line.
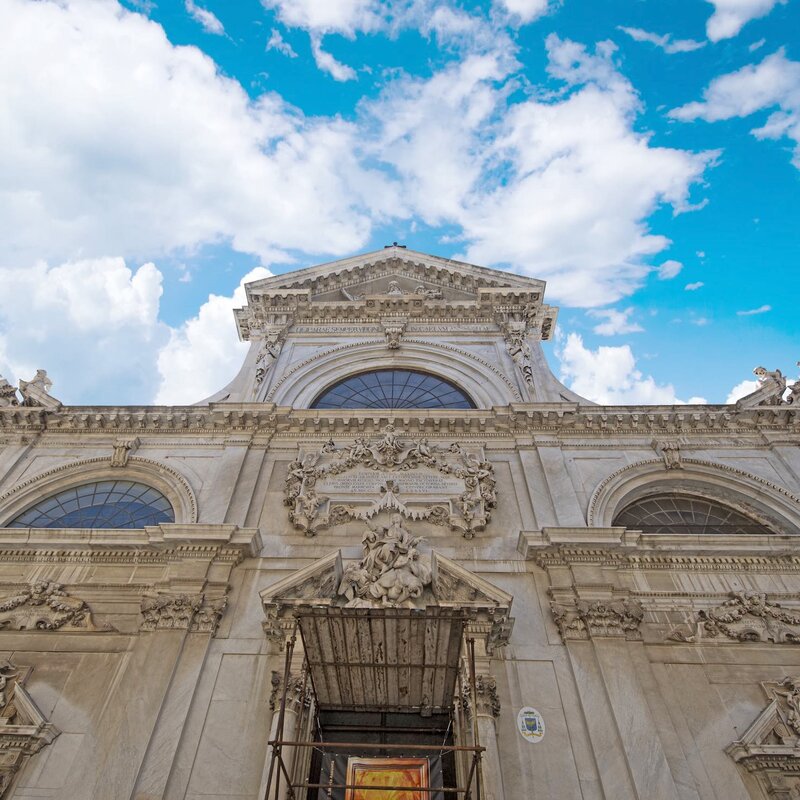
8,394
268,354
429,294
298,692
44,605
393,329
671,453
392,572
124,447
208,616
515,333
770,747
455,488
169,612
744,617
196,613
36,391
23,729
586,620
487,700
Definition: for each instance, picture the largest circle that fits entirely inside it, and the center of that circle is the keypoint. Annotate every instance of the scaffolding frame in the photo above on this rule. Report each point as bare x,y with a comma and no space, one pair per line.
280,775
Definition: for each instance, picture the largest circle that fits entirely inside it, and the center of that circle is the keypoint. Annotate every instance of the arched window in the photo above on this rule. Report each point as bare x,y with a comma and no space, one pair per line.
681,513
104,504
393,388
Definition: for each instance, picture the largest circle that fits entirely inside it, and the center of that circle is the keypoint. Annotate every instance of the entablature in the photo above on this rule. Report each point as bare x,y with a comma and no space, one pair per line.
566,420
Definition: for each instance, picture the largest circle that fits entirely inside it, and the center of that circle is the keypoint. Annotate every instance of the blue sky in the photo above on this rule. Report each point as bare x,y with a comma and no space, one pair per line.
641,156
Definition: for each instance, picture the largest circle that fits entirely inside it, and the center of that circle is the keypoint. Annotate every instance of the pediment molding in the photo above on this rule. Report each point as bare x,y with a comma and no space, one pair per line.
770,747
329,582
24,731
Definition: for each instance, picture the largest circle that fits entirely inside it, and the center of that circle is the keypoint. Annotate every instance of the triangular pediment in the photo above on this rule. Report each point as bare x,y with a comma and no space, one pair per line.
394,281
326,582
408,266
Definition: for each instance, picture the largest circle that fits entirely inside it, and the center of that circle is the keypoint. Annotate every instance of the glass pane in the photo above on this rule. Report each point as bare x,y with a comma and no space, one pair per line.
105,504
393,388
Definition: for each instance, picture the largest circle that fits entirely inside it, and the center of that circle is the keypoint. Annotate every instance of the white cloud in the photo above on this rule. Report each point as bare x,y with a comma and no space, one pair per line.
115,141
204,353
773,82
608,375
327,63
730,16
616,322
581,181
277,42
750,312
92,324
330,16
207,19
740,390
669,269
665,41
525,10
693,287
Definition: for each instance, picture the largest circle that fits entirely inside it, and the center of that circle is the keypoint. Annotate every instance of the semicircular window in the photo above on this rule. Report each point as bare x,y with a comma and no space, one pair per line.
393,388
104,504
676,513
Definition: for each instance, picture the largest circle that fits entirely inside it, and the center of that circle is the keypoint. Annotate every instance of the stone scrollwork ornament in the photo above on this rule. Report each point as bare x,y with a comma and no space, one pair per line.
463,496
268,354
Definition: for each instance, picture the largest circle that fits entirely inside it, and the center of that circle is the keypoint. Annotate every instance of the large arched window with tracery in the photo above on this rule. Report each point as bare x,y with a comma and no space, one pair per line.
101,504
393,388
684,513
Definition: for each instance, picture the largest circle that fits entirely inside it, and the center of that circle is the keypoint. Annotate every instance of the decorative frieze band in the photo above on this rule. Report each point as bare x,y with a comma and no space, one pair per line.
598,618
195,613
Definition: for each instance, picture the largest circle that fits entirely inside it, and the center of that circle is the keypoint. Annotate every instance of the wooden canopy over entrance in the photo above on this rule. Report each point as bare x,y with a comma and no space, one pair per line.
389,659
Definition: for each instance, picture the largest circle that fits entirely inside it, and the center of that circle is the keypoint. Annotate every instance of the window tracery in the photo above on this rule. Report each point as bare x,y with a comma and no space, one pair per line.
100,504
680,513
393,388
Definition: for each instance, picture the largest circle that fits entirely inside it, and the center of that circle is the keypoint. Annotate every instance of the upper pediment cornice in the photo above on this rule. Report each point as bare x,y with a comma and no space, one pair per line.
351,291
569,421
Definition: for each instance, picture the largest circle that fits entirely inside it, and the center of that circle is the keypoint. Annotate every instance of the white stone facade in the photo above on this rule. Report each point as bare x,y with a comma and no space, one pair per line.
663,664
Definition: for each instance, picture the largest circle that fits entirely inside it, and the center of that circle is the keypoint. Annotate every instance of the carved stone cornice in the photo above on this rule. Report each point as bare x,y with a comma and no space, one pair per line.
44,606
564,419
586,619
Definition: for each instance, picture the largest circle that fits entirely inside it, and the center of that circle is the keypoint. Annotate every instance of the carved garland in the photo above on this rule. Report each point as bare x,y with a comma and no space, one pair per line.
469,512
339,348
147,463
44,606
743,617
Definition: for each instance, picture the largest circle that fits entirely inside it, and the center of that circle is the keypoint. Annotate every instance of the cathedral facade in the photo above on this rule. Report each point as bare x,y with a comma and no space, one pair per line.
396,557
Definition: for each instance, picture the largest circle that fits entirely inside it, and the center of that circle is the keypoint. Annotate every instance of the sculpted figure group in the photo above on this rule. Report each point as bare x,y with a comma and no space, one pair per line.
391,572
